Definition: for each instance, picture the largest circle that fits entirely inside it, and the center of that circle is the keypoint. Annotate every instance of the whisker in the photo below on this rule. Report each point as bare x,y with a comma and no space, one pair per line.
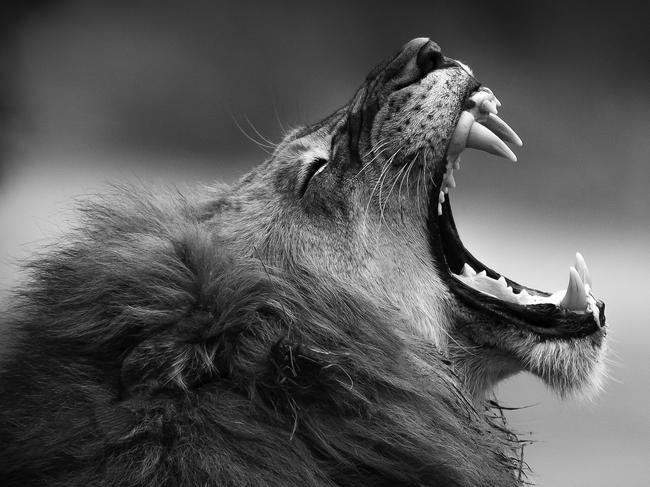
384,169
259,134
397,177
365,166
261,145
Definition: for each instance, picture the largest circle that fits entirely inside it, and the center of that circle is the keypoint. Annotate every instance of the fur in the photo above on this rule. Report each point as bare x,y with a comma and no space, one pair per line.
148,354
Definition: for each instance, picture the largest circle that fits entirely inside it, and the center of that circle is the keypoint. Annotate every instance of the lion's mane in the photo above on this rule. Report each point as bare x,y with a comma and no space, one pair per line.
145,353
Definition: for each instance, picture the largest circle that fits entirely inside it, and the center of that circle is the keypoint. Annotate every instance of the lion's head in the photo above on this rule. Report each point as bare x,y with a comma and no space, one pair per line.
362,196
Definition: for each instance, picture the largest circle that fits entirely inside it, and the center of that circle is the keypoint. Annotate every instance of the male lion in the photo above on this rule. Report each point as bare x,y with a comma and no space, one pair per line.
317,323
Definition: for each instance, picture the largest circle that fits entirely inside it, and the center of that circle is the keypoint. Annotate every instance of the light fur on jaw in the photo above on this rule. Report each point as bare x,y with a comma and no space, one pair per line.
570,368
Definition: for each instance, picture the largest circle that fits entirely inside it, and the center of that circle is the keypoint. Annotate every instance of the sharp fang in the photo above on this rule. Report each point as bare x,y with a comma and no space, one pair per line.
439,209
583,270
451,182
502,129
468,270
482,138
459,137
576,296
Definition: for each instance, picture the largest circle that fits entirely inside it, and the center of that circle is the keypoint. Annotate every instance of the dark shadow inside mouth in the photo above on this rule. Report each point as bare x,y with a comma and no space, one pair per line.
545,319
456,255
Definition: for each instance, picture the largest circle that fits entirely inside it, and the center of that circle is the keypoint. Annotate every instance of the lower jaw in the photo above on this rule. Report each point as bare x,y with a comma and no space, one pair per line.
544,320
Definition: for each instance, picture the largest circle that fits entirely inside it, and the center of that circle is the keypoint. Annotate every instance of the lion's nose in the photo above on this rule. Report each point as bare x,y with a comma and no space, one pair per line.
429,58
416,60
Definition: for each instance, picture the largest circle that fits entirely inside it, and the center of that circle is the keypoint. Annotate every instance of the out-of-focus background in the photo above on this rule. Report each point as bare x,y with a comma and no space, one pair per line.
100,91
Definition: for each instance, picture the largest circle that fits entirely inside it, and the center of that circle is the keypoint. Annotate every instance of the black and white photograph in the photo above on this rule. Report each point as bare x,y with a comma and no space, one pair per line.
300,243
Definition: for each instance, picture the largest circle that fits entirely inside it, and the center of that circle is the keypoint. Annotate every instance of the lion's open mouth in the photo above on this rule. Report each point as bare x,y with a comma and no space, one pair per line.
573,311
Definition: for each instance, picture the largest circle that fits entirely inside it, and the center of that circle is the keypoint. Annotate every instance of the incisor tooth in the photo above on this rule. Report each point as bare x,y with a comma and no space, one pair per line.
489,106
583,270
482,138
575,297
502,129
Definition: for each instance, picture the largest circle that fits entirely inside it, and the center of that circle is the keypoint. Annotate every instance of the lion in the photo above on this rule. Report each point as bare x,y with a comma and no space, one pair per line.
319,322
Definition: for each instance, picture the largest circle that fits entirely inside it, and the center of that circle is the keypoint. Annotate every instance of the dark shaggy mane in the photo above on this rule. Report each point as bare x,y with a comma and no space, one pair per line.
147,354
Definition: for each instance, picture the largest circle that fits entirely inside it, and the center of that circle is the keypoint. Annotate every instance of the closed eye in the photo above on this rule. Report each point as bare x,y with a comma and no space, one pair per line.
313,168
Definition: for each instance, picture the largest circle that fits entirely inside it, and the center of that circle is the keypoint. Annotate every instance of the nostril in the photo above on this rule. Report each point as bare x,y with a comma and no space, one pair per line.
430,58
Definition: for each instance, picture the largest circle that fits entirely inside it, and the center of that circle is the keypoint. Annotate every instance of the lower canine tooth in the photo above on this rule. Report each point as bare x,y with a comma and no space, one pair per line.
583,270
575,297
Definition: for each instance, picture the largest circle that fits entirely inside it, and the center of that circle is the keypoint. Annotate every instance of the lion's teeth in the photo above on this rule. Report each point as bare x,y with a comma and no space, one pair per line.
583,270
482,138
502,129
459,137
489,106
468,270
576,296
450,181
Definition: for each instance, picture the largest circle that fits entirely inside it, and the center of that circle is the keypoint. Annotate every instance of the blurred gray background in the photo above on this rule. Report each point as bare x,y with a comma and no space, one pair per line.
93,92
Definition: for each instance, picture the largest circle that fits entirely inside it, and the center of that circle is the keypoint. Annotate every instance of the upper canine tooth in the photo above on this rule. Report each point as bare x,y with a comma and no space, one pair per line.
502,129
482,138
583,270
459,137
451,182
576,296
